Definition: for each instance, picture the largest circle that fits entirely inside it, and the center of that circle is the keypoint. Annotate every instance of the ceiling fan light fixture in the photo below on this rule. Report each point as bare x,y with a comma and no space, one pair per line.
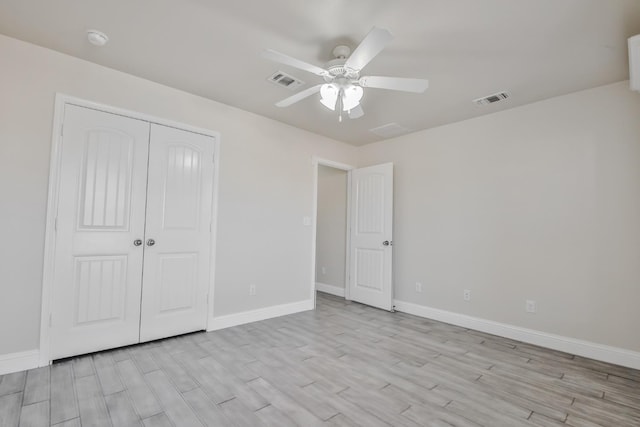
329,96
351,97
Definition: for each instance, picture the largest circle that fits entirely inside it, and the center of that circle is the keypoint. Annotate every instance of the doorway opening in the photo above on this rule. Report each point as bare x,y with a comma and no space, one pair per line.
331,230
353,232
330,246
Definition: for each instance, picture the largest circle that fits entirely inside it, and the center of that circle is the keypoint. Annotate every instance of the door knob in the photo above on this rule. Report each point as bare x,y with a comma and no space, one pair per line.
151,242
386,243
137,242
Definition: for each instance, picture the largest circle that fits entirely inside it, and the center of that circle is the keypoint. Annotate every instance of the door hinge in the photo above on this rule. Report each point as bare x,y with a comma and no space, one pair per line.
55,224
62,130
50,319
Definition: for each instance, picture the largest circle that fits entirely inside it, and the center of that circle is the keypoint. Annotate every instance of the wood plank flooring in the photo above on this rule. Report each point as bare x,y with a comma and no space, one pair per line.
344,364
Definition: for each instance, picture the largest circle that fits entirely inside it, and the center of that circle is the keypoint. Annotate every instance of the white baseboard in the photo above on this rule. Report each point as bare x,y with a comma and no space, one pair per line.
14,362
236,319
330,289
605,353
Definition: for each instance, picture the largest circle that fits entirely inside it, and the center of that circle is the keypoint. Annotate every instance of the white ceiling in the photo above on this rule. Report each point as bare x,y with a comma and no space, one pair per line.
534,49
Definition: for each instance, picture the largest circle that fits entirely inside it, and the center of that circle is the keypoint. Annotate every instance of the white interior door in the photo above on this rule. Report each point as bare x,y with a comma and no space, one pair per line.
178,233
371,251
101,208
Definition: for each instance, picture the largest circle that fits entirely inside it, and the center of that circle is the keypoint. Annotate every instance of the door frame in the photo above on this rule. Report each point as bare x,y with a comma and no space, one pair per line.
52,204
317,161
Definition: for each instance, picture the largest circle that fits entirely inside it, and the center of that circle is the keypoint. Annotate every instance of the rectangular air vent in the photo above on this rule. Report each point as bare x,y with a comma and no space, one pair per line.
390,130
283,79
496,97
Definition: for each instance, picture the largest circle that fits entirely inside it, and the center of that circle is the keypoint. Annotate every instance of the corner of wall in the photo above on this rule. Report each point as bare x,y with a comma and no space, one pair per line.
227,321
330,289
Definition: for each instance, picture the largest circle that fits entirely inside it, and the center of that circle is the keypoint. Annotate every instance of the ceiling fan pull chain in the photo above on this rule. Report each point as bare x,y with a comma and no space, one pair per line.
340,104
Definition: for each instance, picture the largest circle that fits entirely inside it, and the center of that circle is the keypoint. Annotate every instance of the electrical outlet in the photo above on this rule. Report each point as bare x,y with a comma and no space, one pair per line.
306,221
530,306
324,270
418,287
466,295
252,290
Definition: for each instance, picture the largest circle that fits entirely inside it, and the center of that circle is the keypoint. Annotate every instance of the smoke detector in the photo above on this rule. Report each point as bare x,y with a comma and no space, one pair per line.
97,38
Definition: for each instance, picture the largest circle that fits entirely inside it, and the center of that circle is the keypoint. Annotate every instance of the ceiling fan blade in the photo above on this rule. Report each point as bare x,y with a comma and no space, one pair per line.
293,62
299,96
372,45
356,112
395,83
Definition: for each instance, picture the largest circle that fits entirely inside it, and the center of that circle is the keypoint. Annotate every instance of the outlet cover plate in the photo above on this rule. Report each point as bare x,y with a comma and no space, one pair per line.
531,306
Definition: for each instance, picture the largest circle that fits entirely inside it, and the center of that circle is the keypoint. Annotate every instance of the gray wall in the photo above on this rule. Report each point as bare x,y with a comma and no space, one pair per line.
540,202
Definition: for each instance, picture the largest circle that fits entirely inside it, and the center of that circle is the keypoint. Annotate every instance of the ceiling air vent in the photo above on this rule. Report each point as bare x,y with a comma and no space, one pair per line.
280,78
496,97
390,130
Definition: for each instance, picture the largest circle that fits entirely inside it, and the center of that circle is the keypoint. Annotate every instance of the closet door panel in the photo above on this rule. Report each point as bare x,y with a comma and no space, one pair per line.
101,205
177,255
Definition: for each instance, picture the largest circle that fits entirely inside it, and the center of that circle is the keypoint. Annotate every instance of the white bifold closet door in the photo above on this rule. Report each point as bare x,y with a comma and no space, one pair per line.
176,266
132,238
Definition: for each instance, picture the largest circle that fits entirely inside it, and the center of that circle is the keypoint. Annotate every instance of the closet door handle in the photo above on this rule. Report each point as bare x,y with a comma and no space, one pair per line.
137,242
151,242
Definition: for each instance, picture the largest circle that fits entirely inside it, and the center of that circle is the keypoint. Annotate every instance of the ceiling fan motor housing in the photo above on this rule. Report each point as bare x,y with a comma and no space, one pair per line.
336,66
337,69
341,51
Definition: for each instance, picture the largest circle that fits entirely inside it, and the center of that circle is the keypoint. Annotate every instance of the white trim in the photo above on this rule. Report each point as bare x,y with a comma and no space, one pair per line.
50,238
15,362
330,289
214,228
67,99
605,353
347,261
251,316
52,203
330,163
315,161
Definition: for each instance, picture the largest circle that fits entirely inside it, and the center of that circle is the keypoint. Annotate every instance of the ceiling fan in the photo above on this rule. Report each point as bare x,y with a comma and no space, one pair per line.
343,87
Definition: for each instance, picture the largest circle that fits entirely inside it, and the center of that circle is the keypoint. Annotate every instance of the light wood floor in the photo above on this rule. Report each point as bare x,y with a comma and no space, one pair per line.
343,365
